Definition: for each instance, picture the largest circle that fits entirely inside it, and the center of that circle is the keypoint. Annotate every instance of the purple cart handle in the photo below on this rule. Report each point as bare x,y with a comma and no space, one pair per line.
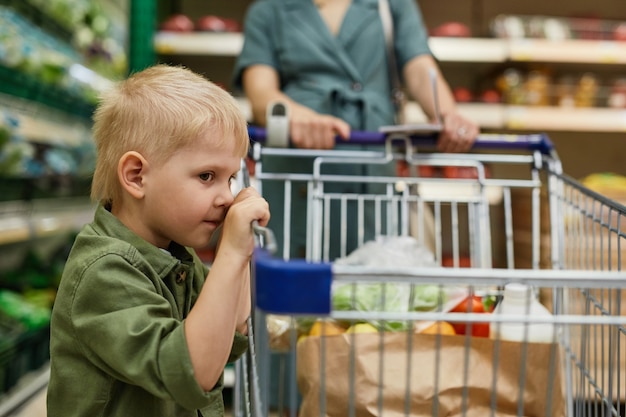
531,142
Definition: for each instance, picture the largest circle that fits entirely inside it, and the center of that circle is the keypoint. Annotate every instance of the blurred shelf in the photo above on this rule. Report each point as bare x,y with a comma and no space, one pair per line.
570,51
469,49
198,43
43,130
22,221
502,116
445,49
39,18
42,124
566,119
491,116
19,84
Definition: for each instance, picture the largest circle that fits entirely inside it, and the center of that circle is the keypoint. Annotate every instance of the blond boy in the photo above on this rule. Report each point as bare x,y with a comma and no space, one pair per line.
140,326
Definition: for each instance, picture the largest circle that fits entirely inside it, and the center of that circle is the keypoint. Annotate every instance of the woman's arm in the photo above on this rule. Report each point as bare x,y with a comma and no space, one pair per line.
307,128
459,133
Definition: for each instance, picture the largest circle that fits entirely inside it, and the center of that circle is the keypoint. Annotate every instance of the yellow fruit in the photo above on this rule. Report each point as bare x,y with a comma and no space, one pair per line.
362,328
325,328
440,327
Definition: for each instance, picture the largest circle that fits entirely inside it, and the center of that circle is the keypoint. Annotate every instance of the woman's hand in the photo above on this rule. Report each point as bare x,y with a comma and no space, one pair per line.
311,130
458,134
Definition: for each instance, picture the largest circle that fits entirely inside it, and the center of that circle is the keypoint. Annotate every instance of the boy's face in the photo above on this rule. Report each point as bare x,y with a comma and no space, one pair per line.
187,197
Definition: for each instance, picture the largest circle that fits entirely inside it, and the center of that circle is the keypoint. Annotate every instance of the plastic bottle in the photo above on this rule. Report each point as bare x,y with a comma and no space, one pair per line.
520,300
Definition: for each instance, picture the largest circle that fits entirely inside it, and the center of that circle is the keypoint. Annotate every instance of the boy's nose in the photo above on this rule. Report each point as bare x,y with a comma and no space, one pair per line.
225,197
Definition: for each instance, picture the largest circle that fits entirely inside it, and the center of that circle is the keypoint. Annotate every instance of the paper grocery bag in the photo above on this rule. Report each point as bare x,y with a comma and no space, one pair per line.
442,376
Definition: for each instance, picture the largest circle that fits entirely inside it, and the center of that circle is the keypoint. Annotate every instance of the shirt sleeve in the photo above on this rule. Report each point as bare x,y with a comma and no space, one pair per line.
259,41
240,345
411,36
128,330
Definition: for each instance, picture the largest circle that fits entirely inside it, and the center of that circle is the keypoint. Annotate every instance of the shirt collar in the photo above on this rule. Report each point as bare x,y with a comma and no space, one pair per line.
109,225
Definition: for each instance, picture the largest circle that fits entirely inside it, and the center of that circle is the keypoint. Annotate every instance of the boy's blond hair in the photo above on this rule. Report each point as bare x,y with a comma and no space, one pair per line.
156,112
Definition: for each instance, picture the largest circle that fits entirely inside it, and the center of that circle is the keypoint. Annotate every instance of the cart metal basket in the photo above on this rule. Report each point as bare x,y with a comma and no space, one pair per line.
516,218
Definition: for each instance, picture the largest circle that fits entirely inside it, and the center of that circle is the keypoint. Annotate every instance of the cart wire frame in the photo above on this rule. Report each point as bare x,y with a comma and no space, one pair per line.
584,270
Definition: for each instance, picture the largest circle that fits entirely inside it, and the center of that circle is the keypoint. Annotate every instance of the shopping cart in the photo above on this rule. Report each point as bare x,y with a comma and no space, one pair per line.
516,219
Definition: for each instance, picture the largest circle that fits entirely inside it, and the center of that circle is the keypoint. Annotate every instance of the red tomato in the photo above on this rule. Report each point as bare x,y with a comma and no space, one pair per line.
464,261
402,169
451,171
427,171
471,304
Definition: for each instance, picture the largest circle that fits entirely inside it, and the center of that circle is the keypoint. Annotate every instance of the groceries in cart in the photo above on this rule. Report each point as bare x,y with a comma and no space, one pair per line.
384,251
382,366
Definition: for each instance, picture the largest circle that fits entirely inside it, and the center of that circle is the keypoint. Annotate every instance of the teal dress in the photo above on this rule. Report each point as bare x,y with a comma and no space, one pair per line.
344,75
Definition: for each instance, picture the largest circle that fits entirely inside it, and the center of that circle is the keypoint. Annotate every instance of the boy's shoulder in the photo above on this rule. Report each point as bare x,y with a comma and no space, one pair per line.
91,247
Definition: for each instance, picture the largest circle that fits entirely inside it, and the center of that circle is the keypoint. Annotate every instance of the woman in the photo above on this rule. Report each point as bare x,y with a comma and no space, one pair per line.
326,59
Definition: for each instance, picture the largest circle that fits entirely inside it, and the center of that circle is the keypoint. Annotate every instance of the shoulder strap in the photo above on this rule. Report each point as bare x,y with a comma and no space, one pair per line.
397,94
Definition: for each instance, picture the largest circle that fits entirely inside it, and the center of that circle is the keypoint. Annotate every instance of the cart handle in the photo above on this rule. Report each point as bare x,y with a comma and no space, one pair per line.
280,285
531,142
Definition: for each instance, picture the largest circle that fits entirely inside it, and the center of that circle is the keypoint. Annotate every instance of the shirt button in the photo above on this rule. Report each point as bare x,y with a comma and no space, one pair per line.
356,86
181,276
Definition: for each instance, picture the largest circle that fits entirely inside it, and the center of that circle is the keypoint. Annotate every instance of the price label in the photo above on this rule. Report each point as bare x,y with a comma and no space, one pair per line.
608,52
522,50
517,118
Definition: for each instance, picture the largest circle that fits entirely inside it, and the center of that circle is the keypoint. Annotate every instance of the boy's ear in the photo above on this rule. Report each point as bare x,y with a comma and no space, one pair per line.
130,171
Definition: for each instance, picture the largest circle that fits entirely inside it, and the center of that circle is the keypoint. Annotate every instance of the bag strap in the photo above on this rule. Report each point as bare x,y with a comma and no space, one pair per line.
397,94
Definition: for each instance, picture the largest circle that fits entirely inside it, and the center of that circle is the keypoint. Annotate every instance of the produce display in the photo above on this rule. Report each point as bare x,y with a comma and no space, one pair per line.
56,72
31,51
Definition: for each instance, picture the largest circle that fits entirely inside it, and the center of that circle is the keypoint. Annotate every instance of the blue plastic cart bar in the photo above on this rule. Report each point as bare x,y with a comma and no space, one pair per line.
532,142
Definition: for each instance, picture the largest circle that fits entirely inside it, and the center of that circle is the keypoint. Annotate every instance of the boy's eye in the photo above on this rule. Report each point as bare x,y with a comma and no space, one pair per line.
205,176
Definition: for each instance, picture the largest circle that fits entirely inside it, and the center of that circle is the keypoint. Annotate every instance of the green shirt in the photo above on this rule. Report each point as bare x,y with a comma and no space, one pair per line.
117,342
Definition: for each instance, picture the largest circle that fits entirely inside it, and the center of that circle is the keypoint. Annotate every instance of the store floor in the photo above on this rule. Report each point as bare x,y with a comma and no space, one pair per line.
36,407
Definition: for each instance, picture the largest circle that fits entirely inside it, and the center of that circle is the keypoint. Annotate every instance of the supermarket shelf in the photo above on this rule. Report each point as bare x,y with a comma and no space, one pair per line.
42,130
18,84
491,116
42,124
469,49
23,221
571,51
501,116
198,43
445,49
564,119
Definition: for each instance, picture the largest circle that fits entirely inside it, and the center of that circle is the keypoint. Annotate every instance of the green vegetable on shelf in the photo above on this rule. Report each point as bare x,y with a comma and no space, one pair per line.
16,306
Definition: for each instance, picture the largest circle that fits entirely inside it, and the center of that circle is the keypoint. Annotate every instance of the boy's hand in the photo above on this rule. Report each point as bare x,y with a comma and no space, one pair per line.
237,235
